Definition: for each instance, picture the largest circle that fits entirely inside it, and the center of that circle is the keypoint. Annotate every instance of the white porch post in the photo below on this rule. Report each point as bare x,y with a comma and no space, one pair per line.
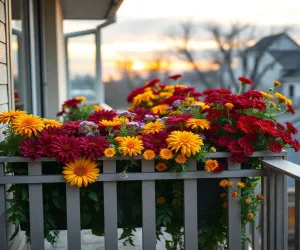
56,85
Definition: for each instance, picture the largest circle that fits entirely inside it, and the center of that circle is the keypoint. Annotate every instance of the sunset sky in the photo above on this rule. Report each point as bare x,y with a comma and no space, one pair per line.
140,32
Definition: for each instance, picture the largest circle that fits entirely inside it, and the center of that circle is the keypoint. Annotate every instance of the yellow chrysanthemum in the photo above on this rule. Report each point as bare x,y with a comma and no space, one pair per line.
27,125
149,155
81,171
153,127
80,98
107,123
119,139
97,107
273,104
187,143
165,94
170,88
7,117
51,123
121,120
160,109
282,98
180,159
131,146
109,152
161,166
202,104
166,154
197,123
211,165
144,97
266,95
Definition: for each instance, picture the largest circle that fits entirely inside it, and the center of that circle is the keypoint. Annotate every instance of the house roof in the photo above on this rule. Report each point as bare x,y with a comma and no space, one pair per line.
291,73
289,60
265,42
79,9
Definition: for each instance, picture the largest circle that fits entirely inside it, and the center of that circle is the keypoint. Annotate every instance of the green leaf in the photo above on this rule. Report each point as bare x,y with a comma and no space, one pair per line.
85,219
93,196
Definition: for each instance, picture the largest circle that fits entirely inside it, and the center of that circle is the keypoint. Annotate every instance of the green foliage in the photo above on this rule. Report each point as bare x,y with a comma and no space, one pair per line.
10,145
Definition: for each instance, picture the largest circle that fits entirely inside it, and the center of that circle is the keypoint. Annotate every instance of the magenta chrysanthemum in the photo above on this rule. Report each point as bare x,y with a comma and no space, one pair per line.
94,146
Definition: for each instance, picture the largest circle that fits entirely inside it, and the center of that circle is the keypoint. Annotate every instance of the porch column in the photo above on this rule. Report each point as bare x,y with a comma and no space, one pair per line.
56,85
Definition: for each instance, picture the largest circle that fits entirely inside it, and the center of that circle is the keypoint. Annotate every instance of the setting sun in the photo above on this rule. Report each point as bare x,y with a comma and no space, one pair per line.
138,65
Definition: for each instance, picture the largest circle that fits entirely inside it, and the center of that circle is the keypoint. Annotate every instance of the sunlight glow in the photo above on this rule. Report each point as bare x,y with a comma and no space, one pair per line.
138,66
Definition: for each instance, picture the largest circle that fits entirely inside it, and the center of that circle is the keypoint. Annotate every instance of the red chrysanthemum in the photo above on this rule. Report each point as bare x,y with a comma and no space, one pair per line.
224,141
175,77
246,143
134,93
246,123
238,158
176,120
245,80
280,126
213,114
235,147
28,148
71,128
53,131
100,115
94,146
66,148
220,168
171,99
275,147
268,127
285,136
72,103
252,94
190,91
140,114
155,141
152,82
43,144
229,128
290,109
219,91
291,128
296,145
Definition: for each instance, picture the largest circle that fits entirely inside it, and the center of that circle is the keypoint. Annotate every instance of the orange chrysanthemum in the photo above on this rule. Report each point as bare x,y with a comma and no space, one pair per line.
107,123
97,107
211,165
81,171
131,146
180,159
197,123
27,125
109,152
160,109
160,200
149,154
241,184
161,166
7,117
187,143
166,154
153,127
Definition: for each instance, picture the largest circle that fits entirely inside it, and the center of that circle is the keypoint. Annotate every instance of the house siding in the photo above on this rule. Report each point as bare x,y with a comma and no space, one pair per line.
5,60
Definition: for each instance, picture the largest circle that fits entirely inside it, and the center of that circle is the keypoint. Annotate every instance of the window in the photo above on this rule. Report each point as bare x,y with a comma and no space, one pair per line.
291,91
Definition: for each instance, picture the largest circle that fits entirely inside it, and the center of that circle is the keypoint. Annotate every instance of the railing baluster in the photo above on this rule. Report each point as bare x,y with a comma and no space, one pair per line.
148,201
247,233
271,211
264,213
256,233
234,224
36,211
297,215
110,208
190,211
73,217
3,229
281,211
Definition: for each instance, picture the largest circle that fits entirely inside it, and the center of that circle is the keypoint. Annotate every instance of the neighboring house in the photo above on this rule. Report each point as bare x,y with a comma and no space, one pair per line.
275,58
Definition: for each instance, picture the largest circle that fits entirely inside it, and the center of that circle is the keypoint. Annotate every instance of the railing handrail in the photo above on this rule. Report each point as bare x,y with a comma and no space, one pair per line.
216,155
283,166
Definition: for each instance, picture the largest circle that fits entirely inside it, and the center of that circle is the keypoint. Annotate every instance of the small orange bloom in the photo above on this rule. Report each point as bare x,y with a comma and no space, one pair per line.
260,196
160,200
149,155
241,184
161,167
211,165
229,105
225,204
223,183
223,195
166,154
248,201
234,194
180,159
250,216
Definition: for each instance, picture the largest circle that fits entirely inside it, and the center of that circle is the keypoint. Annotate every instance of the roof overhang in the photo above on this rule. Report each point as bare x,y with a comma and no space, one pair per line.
80,9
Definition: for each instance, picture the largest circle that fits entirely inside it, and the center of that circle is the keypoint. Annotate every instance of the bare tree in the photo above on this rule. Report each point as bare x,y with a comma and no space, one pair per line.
232,43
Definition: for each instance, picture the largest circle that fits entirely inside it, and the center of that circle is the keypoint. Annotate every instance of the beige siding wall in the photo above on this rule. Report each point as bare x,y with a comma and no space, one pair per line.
5,57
